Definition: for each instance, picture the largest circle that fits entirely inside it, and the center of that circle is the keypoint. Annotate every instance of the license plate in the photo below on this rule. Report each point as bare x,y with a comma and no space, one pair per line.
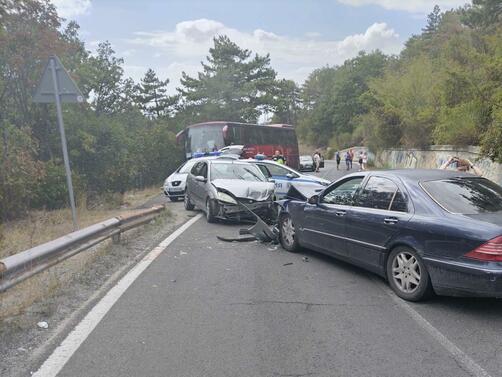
175,190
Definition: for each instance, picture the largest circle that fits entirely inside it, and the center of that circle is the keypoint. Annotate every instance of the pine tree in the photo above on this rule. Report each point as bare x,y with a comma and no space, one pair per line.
151,95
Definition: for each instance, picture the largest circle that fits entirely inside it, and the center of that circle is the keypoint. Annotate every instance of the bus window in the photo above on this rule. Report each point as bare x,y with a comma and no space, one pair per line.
205,138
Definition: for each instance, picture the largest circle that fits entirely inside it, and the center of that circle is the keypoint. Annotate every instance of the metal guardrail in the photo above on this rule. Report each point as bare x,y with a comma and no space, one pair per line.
21,266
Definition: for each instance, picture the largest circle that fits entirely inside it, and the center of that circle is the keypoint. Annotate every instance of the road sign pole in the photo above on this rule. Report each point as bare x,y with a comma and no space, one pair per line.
63,143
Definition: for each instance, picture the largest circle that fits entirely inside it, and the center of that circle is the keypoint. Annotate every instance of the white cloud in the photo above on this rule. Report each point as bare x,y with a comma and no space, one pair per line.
72,8
293,58
414,6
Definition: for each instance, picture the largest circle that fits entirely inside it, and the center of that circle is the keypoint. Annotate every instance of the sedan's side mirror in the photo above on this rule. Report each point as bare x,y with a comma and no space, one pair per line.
200,178
290,176
271,180
313,199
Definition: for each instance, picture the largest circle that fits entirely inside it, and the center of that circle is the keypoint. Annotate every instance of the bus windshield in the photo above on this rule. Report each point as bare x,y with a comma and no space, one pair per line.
204,138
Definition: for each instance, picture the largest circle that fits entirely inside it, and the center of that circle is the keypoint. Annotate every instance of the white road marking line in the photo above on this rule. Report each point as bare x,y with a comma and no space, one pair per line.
56,361
460,356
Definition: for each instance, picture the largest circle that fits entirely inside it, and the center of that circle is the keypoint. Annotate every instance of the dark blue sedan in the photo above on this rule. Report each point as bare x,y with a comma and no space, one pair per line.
425,231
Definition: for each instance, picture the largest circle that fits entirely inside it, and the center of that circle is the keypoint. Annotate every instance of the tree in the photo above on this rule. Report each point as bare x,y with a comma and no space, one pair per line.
286,102
233,85
483,14
103,81
433,22
151,96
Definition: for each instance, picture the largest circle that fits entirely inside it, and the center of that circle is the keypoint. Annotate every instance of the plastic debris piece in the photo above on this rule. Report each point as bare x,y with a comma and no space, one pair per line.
288,264
305,259
183,253
238,239
43,325
173,281
22,349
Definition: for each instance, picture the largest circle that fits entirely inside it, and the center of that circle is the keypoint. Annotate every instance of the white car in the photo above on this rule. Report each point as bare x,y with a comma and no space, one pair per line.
284,176
175,184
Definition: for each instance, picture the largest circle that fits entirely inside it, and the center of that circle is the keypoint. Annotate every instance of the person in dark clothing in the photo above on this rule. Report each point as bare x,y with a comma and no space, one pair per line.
338,159
348,162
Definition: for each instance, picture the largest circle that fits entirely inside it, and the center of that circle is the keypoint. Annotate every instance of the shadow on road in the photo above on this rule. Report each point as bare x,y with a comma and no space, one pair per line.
471,306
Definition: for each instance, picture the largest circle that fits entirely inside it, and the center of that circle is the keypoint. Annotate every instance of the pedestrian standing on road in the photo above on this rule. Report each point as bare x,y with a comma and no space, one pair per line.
365,161
347,160
317,161
360,161
279,158
351,154
337,158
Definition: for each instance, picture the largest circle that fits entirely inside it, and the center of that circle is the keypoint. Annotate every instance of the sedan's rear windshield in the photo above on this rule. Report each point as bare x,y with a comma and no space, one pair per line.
246,172
467,196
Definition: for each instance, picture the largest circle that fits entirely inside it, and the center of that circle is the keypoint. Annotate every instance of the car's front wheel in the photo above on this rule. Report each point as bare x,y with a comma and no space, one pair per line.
188,204
287,234
210,210
407,274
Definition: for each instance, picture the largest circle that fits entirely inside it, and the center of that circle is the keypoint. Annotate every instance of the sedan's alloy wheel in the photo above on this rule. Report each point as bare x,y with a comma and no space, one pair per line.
288,231
406,272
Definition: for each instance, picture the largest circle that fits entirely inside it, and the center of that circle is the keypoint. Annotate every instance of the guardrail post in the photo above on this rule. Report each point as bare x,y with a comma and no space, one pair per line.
116,238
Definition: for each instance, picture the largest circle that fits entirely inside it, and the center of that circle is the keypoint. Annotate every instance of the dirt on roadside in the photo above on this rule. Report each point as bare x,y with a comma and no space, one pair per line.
24,344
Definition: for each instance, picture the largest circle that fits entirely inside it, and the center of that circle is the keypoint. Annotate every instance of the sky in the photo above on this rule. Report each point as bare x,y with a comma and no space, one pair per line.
172,36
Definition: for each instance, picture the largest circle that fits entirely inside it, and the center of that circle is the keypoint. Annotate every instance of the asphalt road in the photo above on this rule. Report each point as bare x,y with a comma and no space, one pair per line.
210,308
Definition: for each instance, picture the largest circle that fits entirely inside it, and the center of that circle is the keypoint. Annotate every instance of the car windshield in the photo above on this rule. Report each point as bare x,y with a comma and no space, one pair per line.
468,196
186,168
245,172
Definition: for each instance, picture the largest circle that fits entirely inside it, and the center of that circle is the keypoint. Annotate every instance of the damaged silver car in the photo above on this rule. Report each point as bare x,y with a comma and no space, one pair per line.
226,189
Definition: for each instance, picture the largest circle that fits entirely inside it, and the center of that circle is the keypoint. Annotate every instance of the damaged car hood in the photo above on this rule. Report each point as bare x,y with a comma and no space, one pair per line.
245,189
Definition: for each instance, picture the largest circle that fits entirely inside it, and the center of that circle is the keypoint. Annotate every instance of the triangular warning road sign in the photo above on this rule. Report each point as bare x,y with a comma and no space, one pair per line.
68,90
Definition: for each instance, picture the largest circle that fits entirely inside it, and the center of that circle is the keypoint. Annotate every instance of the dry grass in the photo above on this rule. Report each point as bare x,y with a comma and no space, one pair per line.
43,226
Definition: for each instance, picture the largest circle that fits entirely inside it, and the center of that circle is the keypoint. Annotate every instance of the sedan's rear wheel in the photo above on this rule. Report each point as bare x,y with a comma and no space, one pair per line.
188,204
287,234
407,274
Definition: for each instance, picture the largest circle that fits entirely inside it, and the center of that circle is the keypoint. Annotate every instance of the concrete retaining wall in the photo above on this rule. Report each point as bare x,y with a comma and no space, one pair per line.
434,157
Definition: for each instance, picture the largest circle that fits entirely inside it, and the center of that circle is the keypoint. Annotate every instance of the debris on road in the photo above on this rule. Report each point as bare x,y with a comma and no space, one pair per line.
183,253
238,239
173,281
43,325
260,231
305,259
288,264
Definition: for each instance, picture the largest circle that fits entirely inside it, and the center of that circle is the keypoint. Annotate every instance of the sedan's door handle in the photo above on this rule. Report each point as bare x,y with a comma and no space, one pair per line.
340,213
390,220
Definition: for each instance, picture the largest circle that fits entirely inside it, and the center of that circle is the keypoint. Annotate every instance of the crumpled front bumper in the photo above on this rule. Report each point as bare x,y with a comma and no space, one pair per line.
238,212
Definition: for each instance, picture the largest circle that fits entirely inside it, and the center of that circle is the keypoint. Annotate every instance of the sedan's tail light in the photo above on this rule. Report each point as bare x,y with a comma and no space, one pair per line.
489,251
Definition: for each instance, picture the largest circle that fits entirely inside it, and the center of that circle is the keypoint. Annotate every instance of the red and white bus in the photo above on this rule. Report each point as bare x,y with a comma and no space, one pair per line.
211,136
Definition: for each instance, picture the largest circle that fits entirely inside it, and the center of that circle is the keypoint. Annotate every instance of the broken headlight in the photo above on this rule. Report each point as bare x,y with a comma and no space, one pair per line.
225,198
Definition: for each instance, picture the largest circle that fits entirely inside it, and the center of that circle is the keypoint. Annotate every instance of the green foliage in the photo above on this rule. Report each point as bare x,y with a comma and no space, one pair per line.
19,171
444,88
332,99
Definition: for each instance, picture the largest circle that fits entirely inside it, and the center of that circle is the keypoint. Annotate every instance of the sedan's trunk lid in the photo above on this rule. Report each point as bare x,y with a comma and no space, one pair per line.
494,218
